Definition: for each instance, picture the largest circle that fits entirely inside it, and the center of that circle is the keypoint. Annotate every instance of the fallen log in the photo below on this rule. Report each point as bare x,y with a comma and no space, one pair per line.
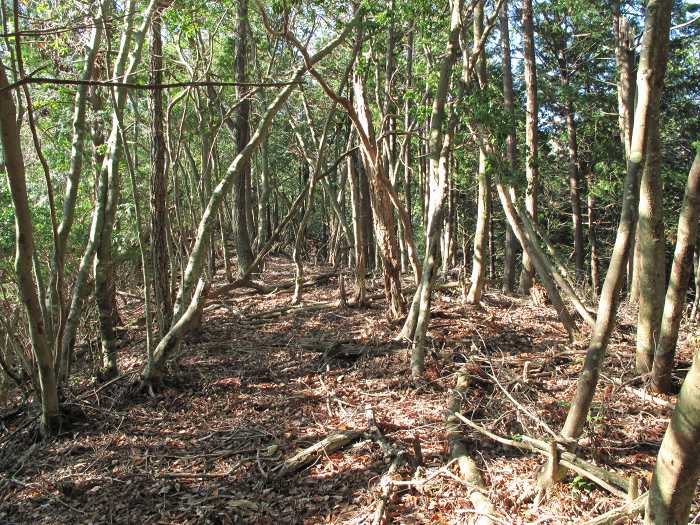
331,443
610,481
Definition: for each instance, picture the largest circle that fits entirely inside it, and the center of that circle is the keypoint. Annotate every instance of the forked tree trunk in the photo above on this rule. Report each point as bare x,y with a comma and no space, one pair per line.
531,169
415,326
127,59
14,165
652,68
678,282
56,289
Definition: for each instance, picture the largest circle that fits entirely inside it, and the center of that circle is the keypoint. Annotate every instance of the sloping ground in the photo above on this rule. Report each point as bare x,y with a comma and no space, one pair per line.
249,391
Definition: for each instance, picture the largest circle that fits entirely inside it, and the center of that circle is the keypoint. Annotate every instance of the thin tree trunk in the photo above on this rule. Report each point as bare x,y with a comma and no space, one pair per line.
531,169
159,185
14,165
511,243
358,224
678,282
592,241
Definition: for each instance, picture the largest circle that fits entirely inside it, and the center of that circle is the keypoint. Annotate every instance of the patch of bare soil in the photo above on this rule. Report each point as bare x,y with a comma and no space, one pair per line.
258,384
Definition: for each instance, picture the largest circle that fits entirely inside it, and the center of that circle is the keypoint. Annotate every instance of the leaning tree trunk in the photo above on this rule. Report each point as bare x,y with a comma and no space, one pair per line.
436,180
531,169
678,283
652,67
16,179
678,462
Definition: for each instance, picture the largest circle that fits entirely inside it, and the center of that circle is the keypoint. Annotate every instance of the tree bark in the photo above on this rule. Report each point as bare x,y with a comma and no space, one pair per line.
678,463
159,185
242,123
678,282
483,213
531,169
511,243
651,270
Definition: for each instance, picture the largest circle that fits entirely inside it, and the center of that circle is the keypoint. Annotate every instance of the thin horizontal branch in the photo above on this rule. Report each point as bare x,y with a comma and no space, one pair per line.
128,85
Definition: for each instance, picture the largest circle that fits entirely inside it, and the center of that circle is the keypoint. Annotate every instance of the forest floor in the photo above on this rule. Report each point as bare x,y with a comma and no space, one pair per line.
250,390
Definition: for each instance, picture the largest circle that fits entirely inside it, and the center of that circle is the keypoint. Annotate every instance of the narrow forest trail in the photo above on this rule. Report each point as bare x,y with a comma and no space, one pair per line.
249,392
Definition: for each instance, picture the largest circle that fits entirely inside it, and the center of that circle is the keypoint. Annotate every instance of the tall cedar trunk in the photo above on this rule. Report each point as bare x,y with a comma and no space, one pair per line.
574,180
678,462
159,185
531,170
242,122
24,234
651,270
678,282
511,243
358,227
652,67
483,213
408,148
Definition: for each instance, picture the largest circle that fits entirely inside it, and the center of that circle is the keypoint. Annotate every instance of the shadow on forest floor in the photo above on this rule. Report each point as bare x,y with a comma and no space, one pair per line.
244,395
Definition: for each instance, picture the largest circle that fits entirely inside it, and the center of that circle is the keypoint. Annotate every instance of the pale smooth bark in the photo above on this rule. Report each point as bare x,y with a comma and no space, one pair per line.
678,462
483,213
678,283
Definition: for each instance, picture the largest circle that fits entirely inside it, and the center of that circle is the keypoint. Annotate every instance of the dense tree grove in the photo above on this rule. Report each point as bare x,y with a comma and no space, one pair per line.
546,150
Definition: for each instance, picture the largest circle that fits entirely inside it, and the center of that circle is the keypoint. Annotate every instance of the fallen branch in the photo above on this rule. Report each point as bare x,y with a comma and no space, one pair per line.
614,515
613,483
331,443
